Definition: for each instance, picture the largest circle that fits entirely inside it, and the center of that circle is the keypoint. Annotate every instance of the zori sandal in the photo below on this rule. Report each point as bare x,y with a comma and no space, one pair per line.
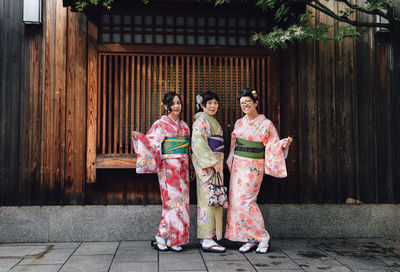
159,246
213,248
263,248
246,247
176,248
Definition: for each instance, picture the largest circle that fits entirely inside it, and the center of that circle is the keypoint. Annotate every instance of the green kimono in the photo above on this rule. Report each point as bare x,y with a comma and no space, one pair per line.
209,219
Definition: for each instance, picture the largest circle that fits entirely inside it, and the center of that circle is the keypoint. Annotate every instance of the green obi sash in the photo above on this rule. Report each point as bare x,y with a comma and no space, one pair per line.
249,149
175,145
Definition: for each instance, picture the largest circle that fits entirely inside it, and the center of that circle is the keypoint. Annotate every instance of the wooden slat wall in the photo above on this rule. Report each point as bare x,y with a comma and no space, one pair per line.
345,121
337,101
45,86
188,75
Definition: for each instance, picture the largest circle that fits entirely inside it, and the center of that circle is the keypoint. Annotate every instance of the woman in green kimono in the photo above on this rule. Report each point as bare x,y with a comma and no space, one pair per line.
207,158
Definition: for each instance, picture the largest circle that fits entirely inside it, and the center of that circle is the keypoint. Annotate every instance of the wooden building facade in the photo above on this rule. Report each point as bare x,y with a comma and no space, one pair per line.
74,87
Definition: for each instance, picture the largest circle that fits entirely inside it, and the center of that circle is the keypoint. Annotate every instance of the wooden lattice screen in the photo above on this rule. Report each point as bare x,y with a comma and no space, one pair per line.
130,88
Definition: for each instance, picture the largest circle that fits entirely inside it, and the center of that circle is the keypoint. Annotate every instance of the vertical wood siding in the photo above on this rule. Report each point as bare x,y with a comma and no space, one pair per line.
337,100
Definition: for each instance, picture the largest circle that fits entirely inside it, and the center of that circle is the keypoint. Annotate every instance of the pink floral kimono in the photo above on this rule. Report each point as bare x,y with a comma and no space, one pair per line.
244,221
173,176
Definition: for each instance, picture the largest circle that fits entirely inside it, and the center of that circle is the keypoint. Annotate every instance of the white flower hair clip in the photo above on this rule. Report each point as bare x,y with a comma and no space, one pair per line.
199,100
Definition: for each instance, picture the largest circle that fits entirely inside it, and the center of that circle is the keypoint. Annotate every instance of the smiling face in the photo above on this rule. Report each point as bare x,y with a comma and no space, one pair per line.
248,106
211,107
175,107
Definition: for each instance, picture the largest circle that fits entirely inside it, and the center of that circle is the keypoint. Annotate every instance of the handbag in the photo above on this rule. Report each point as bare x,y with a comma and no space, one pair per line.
218,196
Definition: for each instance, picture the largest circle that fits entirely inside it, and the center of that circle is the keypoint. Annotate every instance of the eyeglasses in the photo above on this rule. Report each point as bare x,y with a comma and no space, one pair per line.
246,102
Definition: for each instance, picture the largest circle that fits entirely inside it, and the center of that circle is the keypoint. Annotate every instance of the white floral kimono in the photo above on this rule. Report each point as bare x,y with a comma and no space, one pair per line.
244,221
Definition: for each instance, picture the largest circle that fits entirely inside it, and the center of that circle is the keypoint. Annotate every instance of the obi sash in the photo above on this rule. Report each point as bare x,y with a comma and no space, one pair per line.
249,149
216,143
175,145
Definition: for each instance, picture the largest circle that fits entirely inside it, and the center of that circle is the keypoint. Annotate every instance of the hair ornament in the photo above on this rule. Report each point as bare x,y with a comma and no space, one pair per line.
199,100
254,93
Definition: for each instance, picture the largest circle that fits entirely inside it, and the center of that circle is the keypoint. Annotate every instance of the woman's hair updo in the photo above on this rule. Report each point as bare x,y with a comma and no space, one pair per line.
203,98
168,100
248,92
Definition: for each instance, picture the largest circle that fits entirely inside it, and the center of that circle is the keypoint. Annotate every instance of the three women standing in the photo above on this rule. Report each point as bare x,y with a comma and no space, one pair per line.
164,150
255,149
208,159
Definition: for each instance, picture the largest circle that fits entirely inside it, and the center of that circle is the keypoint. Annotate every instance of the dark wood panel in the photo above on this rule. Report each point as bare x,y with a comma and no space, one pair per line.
75,159
59,85
394,82
346,182
384,141
366,121
308,145
31,124
289,187
10,104
326,126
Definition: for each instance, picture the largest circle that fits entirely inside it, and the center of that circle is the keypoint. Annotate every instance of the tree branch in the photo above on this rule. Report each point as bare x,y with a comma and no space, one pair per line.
322,8
355,7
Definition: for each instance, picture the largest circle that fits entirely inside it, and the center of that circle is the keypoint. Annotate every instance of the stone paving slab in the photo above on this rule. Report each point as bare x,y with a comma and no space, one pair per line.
360,263
228,255
328,265
96,248
216,266
310,255
22,251
37,268
88,263
134,267
7,264
263,261
53,256
143,255
181,262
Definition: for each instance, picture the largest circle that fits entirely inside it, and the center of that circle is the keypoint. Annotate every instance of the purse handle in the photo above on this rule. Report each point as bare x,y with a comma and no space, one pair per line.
216,179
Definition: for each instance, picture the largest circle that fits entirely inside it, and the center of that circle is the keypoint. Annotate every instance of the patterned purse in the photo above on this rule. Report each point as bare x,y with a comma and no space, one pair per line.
218,196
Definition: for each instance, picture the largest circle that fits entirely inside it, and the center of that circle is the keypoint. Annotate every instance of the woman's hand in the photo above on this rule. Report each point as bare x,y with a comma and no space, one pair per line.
134,135
217,167
192,174
287,141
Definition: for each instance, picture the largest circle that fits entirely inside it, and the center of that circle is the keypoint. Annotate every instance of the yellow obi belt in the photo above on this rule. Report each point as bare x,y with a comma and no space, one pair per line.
175,145
249,149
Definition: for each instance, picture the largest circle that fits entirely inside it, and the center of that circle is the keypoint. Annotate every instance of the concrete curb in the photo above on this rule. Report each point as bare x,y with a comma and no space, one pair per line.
140,222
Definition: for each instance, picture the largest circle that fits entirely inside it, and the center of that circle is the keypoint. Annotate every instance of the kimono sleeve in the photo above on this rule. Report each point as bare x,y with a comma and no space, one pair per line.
229,160
148,149
275,164
200,148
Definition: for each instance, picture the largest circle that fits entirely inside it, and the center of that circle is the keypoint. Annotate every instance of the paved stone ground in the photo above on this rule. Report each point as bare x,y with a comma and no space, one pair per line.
342,255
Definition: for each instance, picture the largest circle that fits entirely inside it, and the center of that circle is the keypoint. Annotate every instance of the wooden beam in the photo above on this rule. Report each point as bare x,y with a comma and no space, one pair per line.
115,162
178,49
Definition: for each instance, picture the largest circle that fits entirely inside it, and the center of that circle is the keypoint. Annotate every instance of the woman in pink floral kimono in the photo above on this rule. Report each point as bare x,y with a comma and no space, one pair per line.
164,150
255,148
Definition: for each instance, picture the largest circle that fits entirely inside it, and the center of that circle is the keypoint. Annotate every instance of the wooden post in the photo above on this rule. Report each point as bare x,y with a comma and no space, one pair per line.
92,103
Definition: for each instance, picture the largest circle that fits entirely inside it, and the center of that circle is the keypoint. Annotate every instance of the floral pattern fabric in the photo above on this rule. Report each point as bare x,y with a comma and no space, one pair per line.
209,218
173,177
244,220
